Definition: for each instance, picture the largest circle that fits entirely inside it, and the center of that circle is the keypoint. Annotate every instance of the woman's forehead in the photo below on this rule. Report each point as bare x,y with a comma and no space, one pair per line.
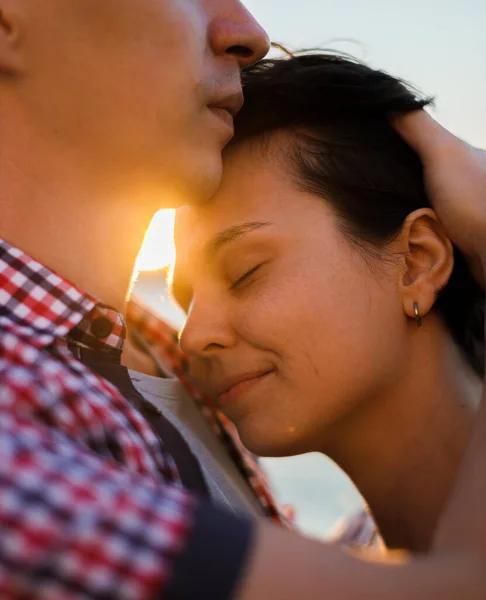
256,187
248,192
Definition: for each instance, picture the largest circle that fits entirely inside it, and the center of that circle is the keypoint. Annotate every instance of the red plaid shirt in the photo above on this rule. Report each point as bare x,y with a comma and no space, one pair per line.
90,502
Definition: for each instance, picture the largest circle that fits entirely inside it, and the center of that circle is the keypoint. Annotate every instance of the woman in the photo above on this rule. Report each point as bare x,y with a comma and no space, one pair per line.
327,309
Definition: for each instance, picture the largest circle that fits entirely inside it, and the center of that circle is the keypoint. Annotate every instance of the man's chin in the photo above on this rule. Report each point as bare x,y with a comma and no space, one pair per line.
201,186
189,182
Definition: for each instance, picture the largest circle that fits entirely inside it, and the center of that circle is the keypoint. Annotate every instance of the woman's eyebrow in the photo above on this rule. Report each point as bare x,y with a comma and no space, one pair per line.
179,287
228,235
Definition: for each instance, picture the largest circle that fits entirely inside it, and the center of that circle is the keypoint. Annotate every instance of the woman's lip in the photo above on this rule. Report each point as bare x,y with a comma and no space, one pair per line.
240,388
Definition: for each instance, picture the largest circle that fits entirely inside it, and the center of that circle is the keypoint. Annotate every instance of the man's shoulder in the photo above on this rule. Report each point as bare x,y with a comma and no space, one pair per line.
35,385
42,382
48,386
24,367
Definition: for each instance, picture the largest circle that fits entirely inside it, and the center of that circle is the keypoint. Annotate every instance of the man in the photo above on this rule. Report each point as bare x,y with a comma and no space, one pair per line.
140,94
110,110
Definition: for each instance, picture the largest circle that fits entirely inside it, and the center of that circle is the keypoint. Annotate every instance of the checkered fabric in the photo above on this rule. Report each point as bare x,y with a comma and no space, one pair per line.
162,340
90,503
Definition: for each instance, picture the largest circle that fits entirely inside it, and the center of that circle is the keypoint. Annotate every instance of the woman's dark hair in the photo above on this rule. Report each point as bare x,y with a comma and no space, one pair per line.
344,149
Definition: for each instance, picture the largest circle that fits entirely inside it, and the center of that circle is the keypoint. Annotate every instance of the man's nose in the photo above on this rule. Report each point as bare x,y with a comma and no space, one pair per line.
236,33
206,331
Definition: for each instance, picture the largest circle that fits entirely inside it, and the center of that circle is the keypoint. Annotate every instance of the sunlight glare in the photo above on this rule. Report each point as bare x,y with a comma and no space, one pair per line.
158,249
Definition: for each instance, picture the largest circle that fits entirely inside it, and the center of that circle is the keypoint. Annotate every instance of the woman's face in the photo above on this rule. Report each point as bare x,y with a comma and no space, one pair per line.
289,328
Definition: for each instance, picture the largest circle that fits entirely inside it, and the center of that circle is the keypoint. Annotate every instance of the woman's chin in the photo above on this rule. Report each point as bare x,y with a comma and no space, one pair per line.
276,446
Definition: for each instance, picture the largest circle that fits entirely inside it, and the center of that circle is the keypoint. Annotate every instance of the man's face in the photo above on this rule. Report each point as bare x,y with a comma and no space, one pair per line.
139,91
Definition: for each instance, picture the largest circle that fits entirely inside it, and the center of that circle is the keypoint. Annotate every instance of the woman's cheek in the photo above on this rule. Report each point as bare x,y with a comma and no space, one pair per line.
265,315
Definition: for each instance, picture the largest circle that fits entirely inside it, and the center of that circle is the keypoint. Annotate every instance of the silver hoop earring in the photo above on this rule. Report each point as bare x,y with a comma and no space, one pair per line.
418,318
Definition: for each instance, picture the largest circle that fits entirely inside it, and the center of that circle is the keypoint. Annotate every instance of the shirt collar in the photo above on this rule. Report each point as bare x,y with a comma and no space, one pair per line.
43,306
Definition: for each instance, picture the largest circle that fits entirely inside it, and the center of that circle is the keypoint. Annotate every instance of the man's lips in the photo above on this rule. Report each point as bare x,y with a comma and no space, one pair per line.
240,385
223,114
227,106
231,102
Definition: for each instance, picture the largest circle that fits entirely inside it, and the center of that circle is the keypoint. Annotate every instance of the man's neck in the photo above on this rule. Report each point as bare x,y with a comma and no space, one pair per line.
87,233
403,450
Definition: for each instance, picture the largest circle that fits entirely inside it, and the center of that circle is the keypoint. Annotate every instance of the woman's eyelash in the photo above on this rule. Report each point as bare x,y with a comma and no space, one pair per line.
245,276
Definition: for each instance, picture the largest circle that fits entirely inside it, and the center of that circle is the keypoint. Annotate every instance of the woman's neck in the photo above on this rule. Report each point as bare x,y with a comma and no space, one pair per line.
402,451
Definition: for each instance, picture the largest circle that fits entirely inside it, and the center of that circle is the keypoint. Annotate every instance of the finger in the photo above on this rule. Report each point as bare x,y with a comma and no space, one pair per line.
424,134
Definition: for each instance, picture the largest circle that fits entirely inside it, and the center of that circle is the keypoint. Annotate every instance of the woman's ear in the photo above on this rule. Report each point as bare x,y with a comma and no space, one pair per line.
11,62
429,260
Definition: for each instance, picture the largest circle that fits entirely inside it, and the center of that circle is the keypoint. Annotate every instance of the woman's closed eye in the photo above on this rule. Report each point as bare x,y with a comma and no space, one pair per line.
245,277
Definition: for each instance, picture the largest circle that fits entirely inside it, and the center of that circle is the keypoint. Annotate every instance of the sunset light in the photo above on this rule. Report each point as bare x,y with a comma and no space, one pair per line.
158,247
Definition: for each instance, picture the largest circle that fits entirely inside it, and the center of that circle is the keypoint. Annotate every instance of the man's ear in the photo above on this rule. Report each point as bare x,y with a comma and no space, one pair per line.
429,260
11,62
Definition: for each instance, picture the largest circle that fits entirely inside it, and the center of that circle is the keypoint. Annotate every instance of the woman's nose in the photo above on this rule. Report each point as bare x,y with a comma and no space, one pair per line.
206,330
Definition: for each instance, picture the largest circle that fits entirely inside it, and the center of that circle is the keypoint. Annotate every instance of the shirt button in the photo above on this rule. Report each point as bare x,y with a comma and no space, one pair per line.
101,328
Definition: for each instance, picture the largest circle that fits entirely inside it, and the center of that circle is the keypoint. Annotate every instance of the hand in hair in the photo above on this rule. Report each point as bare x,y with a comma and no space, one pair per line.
455,178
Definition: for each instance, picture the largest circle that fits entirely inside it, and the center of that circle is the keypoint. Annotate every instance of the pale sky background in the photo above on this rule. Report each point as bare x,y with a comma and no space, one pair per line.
439,46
